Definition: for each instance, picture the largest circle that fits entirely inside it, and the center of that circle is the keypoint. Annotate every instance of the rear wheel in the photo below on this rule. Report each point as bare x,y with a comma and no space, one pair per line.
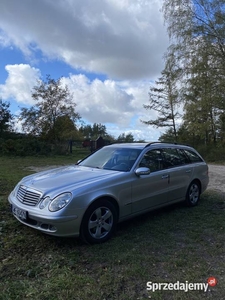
99,222
193,194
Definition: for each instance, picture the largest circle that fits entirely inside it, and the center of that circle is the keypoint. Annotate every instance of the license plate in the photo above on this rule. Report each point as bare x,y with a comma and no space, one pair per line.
20,213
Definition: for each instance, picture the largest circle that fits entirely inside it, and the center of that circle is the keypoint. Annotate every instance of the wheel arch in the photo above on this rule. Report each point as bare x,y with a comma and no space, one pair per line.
94,202
193,195
104,197
110,199
198,182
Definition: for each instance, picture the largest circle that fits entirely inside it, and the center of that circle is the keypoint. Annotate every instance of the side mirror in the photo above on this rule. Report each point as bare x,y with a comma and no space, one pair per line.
142,171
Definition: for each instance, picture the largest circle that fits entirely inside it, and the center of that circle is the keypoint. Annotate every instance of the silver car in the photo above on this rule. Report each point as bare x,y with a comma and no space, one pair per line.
115,183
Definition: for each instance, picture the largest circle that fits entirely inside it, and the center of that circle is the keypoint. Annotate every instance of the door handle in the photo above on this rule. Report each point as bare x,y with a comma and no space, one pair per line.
188,171
165,176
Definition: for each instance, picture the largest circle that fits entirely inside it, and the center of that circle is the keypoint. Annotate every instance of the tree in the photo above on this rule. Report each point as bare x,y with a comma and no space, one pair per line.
164,97
93,131
65,129
189,20
98,130
197,34
125,138
5,117
167,136
203,97
53,102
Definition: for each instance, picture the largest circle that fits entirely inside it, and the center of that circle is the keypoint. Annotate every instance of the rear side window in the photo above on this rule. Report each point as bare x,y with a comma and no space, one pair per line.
174,157
193,156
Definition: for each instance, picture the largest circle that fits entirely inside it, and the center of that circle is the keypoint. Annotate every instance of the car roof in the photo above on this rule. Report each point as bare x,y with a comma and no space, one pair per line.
145,145
134,145
129,145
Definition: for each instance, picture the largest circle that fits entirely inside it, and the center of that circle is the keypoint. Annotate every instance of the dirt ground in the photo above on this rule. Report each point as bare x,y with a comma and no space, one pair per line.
217,178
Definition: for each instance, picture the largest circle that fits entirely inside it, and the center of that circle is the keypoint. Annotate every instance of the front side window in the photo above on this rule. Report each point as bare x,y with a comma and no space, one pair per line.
152,160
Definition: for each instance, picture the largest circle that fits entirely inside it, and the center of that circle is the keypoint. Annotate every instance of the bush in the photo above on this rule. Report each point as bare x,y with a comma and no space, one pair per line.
212,153
24,146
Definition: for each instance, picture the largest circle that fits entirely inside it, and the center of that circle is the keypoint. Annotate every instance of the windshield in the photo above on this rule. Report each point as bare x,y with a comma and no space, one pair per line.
110,158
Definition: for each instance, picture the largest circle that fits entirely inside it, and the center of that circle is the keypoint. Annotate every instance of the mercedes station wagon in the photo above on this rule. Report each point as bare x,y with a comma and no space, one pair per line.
115,183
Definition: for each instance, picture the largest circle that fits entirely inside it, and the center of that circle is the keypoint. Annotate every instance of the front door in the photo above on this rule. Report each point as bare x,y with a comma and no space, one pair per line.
150,191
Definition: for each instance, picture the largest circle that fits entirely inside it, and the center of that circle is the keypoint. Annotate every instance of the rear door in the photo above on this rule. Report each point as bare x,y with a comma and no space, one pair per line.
180,172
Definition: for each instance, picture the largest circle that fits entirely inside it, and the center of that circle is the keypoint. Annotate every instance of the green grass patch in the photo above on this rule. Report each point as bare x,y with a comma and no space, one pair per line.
168,245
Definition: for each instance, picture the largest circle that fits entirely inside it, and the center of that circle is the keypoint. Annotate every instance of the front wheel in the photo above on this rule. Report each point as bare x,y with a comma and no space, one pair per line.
99,222
193,194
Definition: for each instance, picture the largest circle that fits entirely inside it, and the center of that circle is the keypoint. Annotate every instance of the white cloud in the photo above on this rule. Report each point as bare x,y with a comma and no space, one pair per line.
119,105
124,39
111,102
101,102
21,79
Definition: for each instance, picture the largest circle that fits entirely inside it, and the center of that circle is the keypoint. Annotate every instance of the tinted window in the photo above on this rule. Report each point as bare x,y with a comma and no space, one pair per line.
193,156
152,160
184,158
174,157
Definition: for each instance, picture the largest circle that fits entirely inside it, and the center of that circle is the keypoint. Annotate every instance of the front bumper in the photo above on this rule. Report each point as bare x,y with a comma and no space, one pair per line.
53,224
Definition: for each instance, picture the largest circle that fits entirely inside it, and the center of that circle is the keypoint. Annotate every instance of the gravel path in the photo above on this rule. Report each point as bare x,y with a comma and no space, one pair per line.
217,178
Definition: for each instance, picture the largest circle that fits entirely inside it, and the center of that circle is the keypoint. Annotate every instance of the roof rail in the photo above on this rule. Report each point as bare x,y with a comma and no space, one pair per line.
172,143
152,143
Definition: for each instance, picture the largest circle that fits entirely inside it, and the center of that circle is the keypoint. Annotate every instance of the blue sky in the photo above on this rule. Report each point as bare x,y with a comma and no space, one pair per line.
107,51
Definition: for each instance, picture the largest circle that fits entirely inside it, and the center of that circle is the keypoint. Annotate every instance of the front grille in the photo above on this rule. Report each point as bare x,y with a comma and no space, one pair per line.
28,196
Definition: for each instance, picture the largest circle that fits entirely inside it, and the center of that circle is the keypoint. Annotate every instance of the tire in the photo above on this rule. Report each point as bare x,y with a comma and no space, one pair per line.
193,194
99,222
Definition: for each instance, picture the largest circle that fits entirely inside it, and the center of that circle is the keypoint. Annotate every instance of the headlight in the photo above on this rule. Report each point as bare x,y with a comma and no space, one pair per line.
45,202
60,201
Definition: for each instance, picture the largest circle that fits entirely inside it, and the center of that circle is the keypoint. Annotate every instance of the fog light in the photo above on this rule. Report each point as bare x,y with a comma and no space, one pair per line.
52,228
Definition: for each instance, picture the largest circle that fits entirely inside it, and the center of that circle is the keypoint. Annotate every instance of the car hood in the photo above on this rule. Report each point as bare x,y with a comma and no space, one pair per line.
69,178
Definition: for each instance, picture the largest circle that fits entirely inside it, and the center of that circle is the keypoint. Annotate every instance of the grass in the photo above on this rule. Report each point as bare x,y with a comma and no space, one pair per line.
168,245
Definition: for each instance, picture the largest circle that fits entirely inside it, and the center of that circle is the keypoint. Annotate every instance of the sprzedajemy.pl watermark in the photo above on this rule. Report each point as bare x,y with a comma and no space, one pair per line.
181,286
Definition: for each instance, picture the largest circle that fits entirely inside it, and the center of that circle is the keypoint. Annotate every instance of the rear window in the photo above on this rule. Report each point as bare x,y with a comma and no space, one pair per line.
194,157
